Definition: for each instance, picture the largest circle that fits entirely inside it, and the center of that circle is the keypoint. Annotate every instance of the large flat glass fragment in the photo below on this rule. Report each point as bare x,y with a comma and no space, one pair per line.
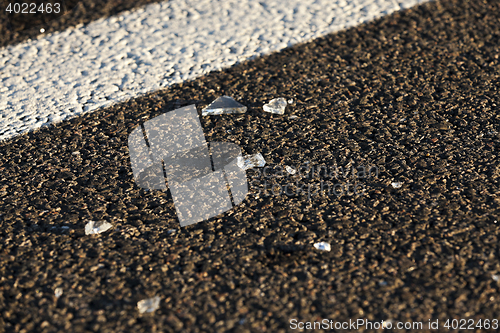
223,105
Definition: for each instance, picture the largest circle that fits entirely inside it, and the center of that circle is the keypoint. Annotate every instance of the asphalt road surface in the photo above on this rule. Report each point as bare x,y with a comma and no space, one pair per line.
414,94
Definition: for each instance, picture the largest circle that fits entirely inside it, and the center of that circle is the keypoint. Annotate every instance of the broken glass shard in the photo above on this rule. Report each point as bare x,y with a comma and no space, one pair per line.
276,105
396,184
290,170
251,161
290,101
94,228
58,292
322,246
223,105
149,305
293,117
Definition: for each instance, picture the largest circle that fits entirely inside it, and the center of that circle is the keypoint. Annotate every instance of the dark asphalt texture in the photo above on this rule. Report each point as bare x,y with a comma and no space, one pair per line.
415,93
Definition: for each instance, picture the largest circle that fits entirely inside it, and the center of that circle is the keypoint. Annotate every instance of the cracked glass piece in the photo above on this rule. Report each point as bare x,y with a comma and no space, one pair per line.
251,161
293,117
290,101
396,184
223,105
58,292
149,305
276,105
290,170
94,228
323,246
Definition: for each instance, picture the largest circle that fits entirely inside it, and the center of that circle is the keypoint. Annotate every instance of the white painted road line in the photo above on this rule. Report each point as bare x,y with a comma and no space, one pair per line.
82,69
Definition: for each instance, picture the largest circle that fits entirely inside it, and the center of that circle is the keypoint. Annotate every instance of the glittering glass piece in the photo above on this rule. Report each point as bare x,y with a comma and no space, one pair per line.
223,105
251,161
396,184
323,246
276,105
58,292
290,170
94,228
149,305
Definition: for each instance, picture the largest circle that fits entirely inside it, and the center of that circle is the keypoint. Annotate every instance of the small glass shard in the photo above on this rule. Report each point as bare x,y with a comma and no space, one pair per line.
58,292
94,228
396,184
149,305
322,246
290,101
276,105
293,117
251,161
290,170
223,105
